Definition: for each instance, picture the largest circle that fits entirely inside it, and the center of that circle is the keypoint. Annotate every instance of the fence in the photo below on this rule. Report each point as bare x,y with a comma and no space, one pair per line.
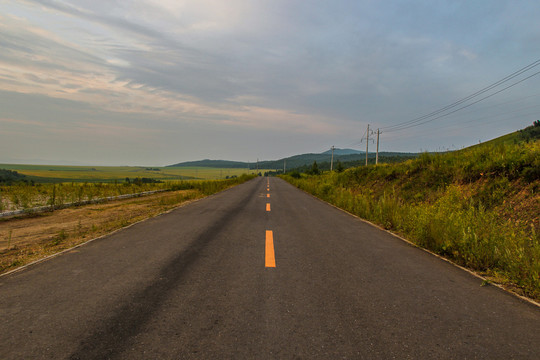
41,209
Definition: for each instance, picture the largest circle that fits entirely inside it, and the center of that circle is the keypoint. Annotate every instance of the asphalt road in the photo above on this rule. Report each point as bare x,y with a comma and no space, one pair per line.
198,283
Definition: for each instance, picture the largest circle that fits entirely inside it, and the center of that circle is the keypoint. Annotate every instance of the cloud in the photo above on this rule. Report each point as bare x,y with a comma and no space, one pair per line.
313,68
9,121
158,84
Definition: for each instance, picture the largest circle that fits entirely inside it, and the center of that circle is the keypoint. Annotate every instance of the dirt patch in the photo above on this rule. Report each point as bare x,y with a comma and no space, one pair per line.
29,238
522,207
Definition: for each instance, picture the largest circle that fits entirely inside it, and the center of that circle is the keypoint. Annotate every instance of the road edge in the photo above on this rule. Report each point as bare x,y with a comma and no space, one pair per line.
485,280
49,257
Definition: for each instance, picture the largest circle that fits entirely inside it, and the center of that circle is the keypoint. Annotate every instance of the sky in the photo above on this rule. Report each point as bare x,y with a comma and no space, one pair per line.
141,82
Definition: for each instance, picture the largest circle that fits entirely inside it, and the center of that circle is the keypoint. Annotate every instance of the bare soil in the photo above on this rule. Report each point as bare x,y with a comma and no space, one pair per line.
24,239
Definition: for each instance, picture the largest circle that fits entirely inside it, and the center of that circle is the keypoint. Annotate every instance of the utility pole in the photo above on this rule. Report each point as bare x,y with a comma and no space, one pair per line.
377,156
257,166
284,165
332,162
367,142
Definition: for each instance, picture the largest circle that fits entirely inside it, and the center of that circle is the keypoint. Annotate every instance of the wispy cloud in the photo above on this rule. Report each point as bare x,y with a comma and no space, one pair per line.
315,69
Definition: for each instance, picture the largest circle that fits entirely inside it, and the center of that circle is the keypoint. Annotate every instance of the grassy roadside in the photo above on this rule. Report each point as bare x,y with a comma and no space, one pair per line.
29,238
478,207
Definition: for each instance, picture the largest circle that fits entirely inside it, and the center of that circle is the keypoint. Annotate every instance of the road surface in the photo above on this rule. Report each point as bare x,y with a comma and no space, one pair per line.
260,271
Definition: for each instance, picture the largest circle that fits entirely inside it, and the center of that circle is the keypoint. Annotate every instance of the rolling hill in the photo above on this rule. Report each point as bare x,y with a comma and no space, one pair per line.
298,161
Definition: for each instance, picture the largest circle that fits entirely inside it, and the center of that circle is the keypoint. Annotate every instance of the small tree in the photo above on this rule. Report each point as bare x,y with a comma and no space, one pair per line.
315,169
295,174
339,167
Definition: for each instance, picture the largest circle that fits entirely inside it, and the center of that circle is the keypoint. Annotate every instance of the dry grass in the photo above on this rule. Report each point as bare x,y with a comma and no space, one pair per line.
29,238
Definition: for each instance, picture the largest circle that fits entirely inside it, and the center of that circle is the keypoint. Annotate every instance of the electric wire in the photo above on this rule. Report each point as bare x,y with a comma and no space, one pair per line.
408,126
443,112
420,120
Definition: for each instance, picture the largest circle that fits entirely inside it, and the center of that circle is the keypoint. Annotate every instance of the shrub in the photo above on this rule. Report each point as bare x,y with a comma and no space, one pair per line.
295,175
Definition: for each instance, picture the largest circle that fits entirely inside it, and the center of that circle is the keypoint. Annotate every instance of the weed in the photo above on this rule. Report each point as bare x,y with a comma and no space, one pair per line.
59,238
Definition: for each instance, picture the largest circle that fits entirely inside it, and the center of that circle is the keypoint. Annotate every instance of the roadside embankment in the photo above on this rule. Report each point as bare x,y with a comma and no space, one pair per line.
478,207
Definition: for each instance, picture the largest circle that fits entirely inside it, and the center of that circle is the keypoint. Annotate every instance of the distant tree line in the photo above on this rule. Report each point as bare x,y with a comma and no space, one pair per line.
273,172
10,177
531,132
140,181
316,168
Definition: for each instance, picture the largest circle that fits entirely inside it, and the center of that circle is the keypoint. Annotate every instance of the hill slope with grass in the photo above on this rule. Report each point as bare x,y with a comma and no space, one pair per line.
479,207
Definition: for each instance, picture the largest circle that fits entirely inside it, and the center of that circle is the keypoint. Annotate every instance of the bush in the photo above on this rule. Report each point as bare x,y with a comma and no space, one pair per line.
295,174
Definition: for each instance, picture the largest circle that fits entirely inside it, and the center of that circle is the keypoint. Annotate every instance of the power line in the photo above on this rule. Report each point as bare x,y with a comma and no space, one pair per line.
420,120
403,127
469,117
505,79
445,111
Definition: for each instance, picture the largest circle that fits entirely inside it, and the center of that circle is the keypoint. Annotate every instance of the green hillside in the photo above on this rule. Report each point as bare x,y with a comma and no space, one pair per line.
479,206
299,161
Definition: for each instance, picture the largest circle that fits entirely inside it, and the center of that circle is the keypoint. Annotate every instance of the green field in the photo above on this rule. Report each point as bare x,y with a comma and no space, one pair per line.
57,173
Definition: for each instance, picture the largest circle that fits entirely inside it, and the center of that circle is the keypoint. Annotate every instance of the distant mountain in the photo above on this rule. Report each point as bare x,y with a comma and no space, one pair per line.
343,152
355,159
298,161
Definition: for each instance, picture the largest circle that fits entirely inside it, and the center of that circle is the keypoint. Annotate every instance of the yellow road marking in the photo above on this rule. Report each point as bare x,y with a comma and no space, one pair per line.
267,195
270,260
267,206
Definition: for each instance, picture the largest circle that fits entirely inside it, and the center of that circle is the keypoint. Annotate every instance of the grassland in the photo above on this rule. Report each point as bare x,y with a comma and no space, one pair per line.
23,196
57,173
479,207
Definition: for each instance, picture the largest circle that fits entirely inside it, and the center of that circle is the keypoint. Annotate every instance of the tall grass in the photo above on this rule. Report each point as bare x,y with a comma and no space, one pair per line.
478,207
26,196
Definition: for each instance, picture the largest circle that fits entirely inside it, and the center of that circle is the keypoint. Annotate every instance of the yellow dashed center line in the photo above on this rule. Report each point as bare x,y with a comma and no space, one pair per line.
270,260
